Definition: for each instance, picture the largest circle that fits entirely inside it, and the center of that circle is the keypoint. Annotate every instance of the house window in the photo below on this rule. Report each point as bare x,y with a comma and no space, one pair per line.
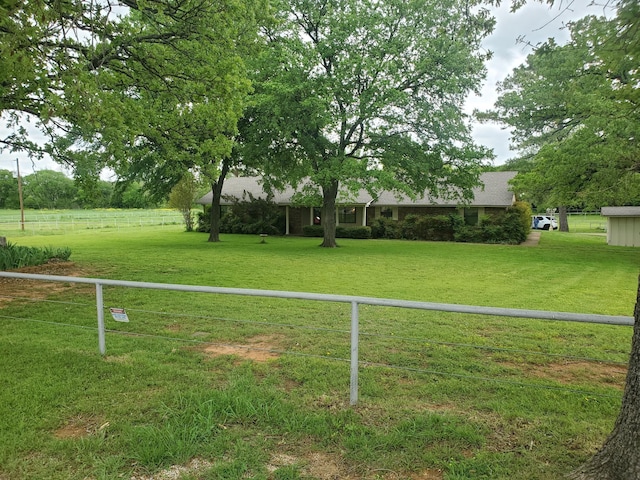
386,212
317,218
471,216
347,215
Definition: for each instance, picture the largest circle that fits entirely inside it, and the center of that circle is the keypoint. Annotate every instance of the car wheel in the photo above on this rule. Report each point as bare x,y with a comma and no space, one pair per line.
546,227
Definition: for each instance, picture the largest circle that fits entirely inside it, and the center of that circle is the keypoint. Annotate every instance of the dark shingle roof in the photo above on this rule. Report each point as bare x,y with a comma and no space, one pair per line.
494,193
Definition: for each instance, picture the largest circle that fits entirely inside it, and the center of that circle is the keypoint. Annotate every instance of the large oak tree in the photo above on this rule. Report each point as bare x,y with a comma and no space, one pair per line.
368,94
573,110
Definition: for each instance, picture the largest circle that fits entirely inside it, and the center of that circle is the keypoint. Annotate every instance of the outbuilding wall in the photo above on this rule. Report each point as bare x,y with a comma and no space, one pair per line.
623,231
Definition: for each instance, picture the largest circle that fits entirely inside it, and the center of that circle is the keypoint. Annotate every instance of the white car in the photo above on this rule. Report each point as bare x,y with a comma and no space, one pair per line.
543,222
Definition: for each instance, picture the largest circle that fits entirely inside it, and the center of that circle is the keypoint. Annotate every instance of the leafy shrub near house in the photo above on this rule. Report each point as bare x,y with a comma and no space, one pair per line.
511,227
253,216
250,215
203,221
383,227
341,232
14,256
431,227
418,227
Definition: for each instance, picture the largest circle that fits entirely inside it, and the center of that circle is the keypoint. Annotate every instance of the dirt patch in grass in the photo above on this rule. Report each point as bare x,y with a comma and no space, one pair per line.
16,289
326,466
176,472
608,374
261,348
80,427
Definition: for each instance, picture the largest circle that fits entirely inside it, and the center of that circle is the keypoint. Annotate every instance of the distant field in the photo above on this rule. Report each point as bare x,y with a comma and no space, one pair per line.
64,221
587,223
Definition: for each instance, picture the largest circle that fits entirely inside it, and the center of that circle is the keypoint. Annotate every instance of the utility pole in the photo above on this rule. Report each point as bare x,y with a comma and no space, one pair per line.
20,196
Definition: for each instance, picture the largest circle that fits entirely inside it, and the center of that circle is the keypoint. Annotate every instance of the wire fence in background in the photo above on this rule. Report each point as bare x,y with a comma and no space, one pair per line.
41,221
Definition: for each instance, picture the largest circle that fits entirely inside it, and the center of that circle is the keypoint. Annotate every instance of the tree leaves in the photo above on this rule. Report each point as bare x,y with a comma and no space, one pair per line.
576,108
361,93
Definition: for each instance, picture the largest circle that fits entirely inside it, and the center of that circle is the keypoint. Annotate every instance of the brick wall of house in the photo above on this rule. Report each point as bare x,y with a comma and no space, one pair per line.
493,210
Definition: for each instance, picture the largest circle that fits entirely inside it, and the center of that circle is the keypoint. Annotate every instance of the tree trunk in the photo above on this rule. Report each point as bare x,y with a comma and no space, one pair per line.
619,457
329,195
563,220
216,191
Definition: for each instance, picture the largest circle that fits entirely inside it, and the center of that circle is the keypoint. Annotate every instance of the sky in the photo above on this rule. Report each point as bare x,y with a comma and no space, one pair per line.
535,22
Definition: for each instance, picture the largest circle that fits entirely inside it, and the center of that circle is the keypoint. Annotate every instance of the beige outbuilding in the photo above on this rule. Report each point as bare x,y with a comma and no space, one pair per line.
623,225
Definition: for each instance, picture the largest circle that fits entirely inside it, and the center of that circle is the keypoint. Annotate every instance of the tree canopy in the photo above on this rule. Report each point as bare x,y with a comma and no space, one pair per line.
353,94
574,111
150,89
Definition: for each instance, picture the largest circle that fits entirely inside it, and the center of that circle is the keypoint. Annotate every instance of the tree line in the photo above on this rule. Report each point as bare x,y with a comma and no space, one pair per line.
49,189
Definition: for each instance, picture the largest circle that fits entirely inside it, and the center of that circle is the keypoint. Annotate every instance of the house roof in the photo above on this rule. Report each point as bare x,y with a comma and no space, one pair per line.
495,192
620,211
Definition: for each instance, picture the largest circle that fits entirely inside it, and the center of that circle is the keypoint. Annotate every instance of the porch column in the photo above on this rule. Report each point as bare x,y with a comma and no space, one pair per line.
286,215
364,216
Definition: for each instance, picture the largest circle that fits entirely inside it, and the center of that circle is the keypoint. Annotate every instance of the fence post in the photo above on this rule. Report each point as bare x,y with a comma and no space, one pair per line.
354,353
100,308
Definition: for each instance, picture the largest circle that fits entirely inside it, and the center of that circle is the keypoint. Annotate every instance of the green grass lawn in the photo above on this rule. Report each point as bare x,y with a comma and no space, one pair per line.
441,395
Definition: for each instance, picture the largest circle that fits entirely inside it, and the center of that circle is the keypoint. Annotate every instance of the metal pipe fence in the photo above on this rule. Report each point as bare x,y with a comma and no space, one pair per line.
354,301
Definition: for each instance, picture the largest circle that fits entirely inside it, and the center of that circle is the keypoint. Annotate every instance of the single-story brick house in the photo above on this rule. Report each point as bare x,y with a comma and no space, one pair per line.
623,225
493,197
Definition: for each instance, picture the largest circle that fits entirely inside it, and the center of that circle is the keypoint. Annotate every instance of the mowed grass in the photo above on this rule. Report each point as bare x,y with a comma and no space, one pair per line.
259,388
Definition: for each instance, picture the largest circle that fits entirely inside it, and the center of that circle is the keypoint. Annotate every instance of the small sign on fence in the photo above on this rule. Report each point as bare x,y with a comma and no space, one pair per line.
119,314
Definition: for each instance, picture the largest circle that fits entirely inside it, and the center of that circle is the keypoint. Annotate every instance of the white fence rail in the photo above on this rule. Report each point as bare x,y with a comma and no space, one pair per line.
355,301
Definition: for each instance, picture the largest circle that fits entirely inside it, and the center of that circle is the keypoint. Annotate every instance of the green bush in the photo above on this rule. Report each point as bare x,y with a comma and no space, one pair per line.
341,232
14,256
204,221
508,227
409,227
429,227
252,216
313,231
386,228
524,212
353,232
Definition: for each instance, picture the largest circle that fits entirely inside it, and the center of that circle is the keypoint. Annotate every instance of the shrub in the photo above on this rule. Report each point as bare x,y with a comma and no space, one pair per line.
252,216
523,210
313,230
386,228
429,227
409,227
341,232
204,221
353,232
507,227
14,256
436,228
